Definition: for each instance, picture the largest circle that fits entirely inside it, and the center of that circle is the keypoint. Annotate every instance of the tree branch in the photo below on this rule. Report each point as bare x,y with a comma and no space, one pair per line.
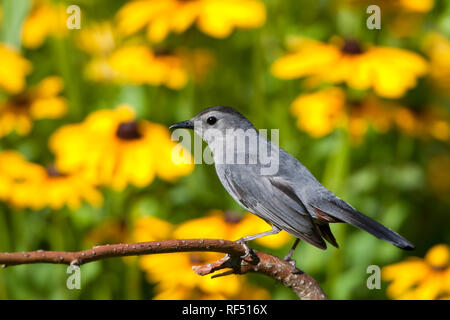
258,262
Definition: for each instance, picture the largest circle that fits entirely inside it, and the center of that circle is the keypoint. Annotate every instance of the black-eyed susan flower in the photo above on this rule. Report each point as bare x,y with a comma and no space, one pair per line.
420,279
173,272
321,112
13,168
433,122
99,40
141,65
231,226
198,61
112,148
437,48
152,229
372,113
390,72
13,69
216,18
18,111
45,19
114,60
29,185
420,6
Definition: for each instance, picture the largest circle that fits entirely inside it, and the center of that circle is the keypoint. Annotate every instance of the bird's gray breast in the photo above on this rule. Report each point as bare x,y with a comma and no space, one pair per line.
232,177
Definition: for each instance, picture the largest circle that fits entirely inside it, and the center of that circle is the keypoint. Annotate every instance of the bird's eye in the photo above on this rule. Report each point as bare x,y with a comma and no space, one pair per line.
211,120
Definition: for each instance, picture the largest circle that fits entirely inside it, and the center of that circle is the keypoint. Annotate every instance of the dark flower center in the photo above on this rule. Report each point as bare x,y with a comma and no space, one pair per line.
20,102
195,258
161,52
439,268
128,131
351,46
53,172
232,217
356,105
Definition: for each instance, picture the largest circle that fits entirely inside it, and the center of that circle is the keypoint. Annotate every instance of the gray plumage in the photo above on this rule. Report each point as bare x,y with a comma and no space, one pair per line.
291,199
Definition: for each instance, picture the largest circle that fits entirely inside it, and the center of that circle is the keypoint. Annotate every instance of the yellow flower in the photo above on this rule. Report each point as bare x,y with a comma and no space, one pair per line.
173,271
55,190
420,279
417,5
112,148
432,122
140,65
230,226
132,62
437,48
436,121
319,113
39,102
216,18
383,116
29,185
99,70
370,112
13,69
198,61
13,167
152,229
98,39
389,71
45,19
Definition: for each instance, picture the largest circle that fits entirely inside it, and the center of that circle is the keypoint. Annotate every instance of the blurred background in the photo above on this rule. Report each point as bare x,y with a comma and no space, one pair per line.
85,153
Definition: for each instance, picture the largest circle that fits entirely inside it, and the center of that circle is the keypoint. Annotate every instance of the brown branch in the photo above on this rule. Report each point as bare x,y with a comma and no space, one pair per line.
302,284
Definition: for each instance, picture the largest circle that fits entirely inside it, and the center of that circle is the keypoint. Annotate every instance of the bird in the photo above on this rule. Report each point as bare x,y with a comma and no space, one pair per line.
270,183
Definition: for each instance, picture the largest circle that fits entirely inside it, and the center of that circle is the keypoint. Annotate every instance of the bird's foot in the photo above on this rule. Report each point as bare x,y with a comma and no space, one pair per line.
292,262
247,249
288,256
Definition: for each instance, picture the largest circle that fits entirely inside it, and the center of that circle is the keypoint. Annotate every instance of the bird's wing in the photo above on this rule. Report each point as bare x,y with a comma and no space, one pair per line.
273,201
324,206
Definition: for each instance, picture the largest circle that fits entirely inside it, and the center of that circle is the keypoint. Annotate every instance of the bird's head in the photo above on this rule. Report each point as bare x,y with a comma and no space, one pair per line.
214,122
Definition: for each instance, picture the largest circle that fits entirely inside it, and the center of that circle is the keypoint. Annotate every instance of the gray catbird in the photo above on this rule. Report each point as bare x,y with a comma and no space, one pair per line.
269,182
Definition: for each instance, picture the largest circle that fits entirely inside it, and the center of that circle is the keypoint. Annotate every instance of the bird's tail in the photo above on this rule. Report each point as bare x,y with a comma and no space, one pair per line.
343,211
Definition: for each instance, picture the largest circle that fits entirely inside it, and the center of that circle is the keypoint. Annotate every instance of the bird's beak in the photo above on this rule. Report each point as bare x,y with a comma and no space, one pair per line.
185,124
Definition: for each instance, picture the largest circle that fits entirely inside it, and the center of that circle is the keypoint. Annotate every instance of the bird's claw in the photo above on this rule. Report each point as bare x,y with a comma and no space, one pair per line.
291,261
247,249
